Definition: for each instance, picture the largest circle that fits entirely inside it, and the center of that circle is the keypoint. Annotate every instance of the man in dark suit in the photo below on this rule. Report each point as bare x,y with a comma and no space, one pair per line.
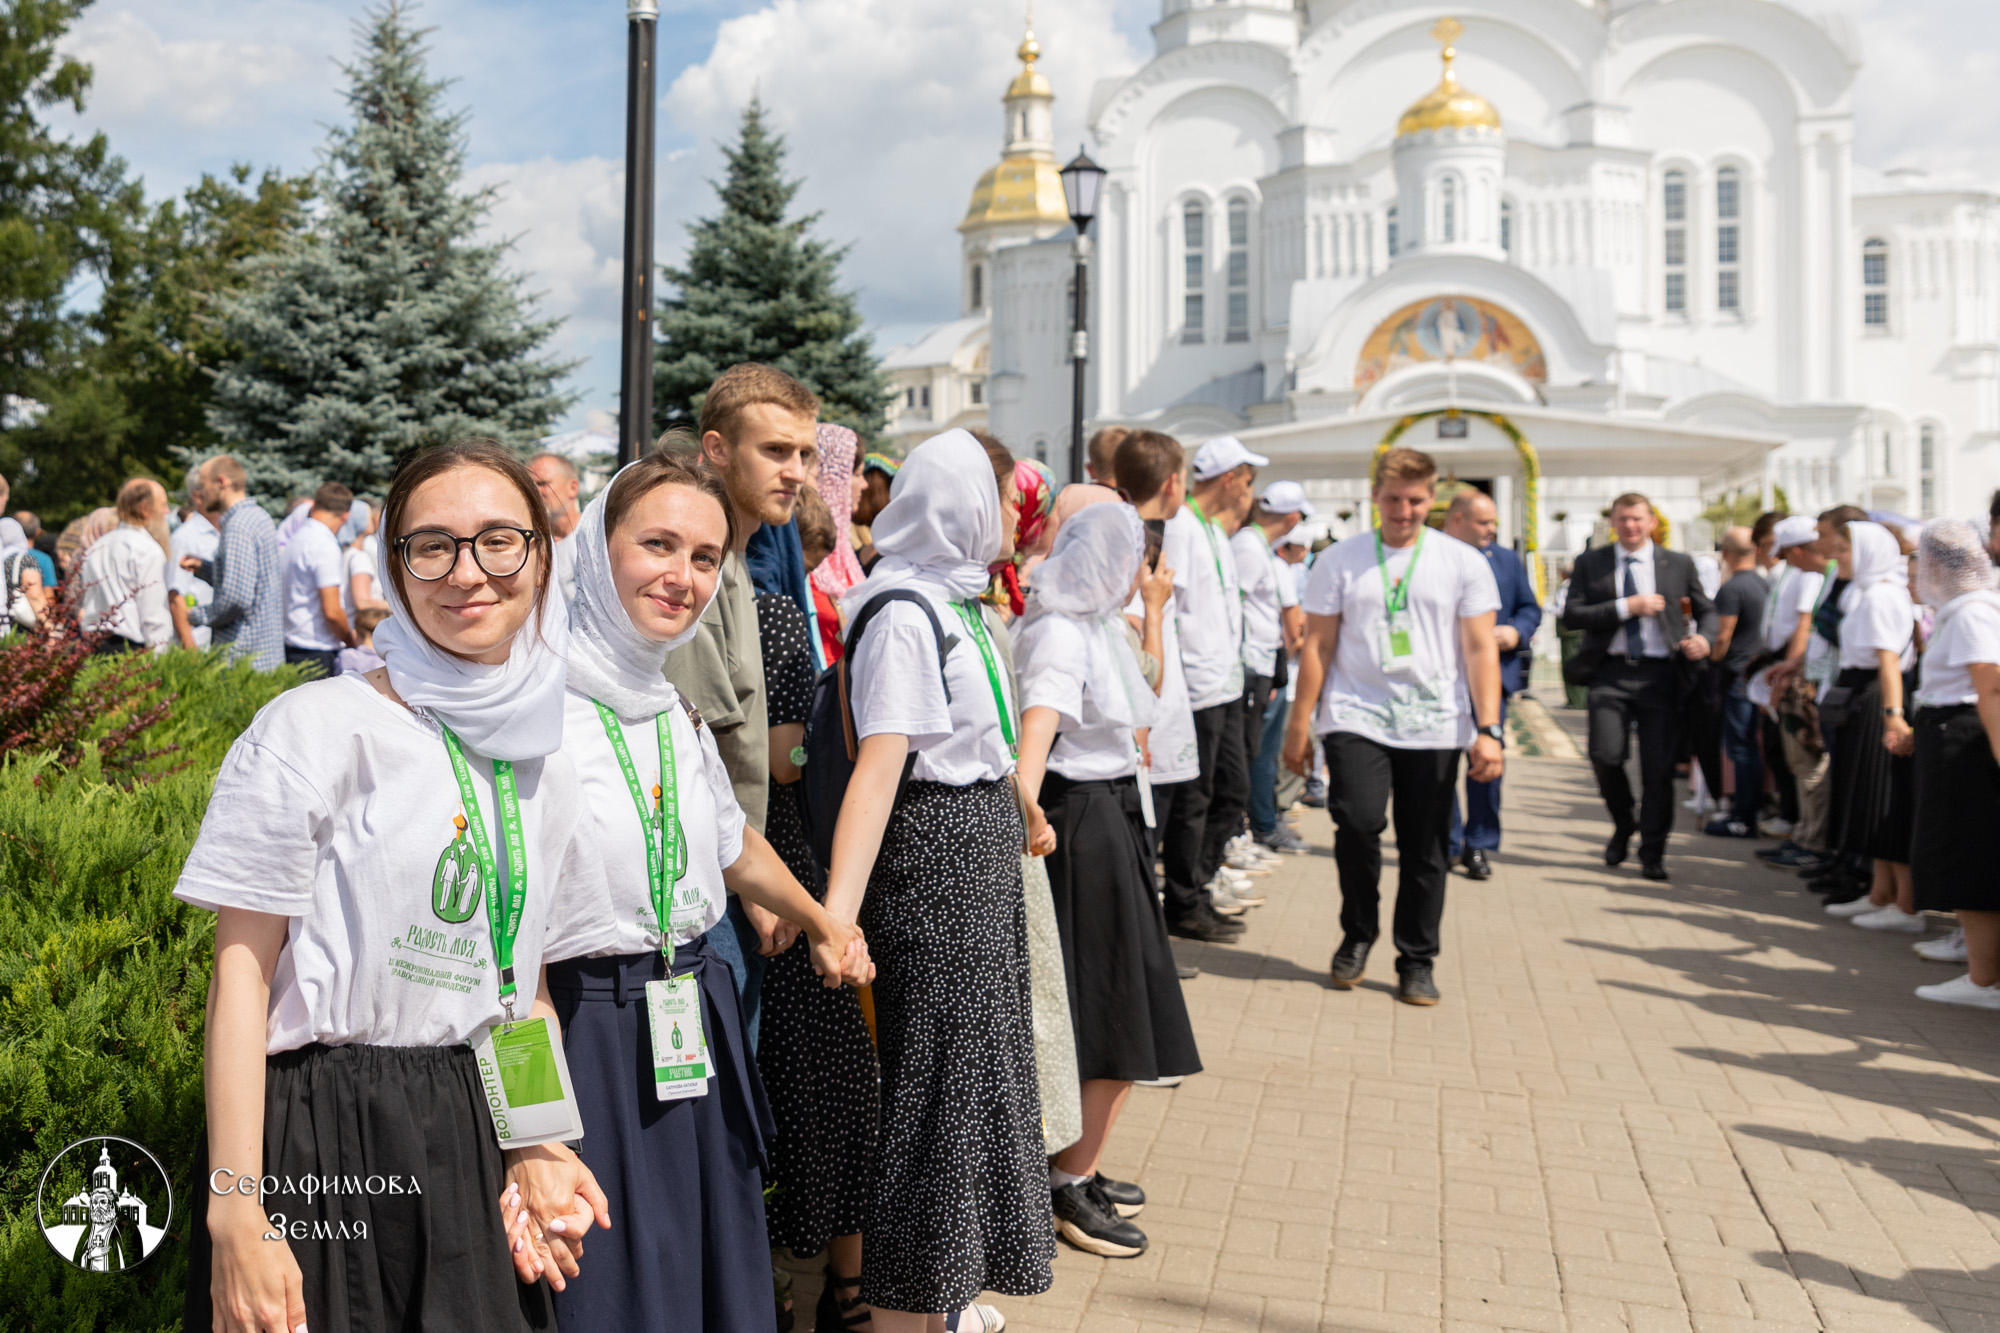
1644,618
1474,520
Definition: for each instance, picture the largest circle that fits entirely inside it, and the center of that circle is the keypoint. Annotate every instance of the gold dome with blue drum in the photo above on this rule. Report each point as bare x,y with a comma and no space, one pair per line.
1448,106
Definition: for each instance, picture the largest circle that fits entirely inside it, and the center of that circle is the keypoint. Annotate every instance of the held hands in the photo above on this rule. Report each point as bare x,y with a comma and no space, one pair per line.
255,1283
840,953
1041,836
1898,737
1488,759
1694,648
551,1200
774,933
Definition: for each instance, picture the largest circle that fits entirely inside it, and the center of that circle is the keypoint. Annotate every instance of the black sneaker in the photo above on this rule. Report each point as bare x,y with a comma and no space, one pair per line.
1414,984
1204,923
1088,1221
1780,852
1122,1195
1350,960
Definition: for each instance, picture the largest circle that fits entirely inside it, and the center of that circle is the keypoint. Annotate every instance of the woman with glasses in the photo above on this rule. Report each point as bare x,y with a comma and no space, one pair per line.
674,1119
394,859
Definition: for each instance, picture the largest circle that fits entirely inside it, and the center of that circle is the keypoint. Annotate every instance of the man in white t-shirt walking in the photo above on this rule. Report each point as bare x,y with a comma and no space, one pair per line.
1400,654
316,627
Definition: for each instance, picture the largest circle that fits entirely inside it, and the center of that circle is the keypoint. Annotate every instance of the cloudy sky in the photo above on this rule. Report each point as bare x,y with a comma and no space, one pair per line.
890,106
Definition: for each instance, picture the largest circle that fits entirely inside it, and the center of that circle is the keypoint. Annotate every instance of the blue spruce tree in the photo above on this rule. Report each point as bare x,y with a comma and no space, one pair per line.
386,326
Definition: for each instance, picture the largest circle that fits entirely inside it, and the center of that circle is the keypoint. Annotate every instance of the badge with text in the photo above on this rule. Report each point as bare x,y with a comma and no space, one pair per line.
1399,656
526,1081
1145,777
680,1048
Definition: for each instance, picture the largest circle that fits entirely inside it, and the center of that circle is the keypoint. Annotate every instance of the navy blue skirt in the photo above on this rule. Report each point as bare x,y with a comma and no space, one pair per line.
687,1249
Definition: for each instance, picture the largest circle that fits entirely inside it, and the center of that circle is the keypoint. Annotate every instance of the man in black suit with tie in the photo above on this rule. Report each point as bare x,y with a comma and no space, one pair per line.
1639,606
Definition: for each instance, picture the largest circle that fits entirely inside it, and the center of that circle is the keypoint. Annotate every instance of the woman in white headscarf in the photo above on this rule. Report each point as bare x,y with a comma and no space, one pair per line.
394,859
932,869
1956,739
1086,708
1873,789
678,1141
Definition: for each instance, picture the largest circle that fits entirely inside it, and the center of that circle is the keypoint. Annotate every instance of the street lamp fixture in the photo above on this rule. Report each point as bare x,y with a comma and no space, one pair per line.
1082,180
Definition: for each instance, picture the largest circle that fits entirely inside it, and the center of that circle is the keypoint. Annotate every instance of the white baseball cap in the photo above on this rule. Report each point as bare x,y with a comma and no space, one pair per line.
1224,453
1287,497
1298,536
1795,530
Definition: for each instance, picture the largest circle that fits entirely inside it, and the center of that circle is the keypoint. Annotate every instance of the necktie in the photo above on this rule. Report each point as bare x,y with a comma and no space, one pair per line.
1633,643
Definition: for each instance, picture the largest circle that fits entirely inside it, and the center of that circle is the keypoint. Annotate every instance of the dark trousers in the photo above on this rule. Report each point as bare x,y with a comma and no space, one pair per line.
1779,768
1704,726
327,659
1642,695
1270,732
1182,811
1739,742
1229,791
1363,778
1480,828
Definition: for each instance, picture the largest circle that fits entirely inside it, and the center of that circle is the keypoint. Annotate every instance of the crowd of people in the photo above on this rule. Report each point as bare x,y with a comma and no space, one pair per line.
780,848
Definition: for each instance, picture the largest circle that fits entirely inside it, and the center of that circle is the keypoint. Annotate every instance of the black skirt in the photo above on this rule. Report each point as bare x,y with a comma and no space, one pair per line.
1125,1001
960,1202
1955,851
406,1117
1874,792
687,1248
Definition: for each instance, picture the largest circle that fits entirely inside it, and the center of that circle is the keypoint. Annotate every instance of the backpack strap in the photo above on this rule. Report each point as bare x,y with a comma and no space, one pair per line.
945,643
694,714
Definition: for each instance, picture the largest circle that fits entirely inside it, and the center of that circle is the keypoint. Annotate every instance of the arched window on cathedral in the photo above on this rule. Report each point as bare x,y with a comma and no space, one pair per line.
1448,210
1194,244
1391,232
1729,239
1674,257
1239,272
978,286
1875,283
1507,226
1927,469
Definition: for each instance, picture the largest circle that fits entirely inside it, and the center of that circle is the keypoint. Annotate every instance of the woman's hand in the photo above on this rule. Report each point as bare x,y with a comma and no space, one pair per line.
560,1199
1041,837
840,953
254,1283
1898,737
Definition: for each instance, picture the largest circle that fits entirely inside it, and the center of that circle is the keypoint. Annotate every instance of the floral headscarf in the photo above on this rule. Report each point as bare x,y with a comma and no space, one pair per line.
1037,487
840,570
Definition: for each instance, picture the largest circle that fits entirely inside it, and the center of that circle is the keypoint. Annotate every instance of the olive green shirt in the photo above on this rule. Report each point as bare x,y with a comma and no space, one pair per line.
721,672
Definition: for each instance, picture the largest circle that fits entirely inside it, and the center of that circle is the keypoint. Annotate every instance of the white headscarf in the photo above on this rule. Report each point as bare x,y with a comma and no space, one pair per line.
1085,582
298,517
1953,566
609,659
13,537
510,711
941,527
1880,569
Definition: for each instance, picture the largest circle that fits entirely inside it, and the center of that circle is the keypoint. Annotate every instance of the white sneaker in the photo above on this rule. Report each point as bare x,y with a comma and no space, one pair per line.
1857,907
1237,880
1945,949
1777,828
1235,891
1893,918
1962,990
1223,900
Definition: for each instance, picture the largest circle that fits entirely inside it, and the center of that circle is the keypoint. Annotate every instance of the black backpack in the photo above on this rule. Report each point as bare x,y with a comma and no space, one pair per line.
831,746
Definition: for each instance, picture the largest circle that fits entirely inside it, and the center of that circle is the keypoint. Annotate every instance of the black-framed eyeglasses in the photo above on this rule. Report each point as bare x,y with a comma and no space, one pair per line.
431,554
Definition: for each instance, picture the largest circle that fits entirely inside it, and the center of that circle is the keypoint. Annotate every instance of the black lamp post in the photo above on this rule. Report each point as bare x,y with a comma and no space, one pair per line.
1081,181
635,385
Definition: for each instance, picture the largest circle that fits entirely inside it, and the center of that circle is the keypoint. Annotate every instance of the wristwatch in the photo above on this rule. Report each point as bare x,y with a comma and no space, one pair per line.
1892,712
1496,731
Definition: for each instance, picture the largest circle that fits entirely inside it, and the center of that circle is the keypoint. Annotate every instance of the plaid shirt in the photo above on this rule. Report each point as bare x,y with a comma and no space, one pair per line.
248,613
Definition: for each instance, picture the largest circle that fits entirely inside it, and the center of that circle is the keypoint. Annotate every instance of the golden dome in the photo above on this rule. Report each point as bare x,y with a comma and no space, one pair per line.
1020,189
1030,82
1448,106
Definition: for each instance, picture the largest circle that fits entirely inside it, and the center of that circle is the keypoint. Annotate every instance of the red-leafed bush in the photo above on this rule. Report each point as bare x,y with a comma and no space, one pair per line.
49,702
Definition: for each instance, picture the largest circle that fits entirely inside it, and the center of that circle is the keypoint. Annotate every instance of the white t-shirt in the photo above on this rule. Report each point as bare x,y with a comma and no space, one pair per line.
710,819
1965,633
1088,748
312,562
565,569
199,538
1208,603
1267,589
338,808
895,688
1176,754
1796,595
1423,707
125,587
359,559
1878,616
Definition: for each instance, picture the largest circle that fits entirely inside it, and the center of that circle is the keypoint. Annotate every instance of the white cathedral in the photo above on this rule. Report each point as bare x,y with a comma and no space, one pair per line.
1638,257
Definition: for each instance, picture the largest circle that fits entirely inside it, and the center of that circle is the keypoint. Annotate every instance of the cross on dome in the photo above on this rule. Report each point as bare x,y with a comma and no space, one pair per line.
1448,106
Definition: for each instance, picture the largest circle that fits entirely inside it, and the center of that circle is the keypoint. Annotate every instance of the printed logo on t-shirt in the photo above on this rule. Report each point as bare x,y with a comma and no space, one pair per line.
455,885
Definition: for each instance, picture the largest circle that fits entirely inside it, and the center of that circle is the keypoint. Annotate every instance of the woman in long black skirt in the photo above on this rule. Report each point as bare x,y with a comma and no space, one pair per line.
675,1124
1957,745
1874,788
1079,678
933,870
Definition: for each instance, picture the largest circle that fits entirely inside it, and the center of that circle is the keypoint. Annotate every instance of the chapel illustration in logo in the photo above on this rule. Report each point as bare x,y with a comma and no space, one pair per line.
104,1204
455,885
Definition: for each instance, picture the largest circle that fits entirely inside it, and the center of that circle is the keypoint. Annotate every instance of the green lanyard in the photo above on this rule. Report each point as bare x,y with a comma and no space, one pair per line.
504,919
975,625
1208,531
1393,602
666,843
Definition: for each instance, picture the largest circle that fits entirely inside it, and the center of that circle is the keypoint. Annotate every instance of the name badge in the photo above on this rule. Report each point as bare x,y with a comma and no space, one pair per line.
526,1081
680,1047
1146,795
1399,655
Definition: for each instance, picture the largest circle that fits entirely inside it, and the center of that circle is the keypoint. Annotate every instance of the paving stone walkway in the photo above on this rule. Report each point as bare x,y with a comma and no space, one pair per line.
1693,1106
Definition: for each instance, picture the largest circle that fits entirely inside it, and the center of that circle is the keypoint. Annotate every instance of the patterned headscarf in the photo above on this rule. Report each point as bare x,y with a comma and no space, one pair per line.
1037,487
840,570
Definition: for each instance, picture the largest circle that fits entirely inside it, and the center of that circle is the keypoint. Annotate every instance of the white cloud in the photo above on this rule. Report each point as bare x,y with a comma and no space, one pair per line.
1929,93
195,83
566,222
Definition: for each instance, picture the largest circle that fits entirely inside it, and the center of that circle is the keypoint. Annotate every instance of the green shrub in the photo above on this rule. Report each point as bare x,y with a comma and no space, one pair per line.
104,977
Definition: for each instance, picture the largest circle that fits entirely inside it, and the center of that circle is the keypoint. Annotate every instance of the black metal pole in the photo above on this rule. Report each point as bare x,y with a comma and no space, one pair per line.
1079,354
635,387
